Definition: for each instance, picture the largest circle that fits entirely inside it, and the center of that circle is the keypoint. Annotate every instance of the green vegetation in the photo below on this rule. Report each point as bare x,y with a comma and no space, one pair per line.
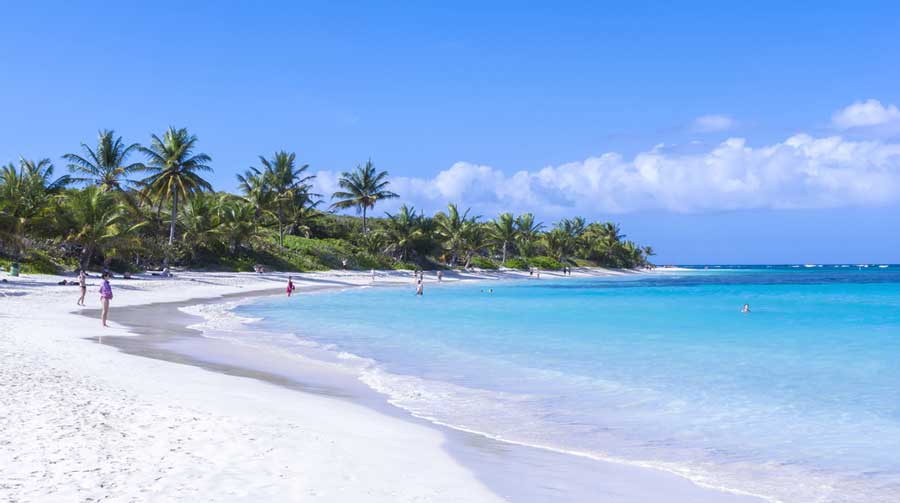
106,214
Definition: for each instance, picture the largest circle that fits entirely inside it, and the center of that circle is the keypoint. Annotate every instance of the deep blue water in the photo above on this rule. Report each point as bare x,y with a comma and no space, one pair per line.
798,400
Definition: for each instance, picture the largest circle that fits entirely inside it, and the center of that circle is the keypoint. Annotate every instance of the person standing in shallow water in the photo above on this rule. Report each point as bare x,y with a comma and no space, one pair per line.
420,287
82,285
290,286
106,295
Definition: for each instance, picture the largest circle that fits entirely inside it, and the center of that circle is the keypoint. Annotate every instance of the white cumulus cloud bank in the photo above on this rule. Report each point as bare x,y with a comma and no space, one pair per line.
800,172
713,124
865,114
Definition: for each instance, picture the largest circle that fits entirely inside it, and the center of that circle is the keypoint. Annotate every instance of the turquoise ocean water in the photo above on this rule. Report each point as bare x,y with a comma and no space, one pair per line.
797,401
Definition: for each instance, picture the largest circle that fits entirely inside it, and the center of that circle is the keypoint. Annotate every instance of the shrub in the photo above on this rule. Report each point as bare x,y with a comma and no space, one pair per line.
516,263
34,262
548,263
237,263
119,266
370,261
482,263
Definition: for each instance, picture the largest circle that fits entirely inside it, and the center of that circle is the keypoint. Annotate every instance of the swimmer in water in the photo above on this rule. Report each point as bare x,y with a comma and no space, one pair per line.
746,308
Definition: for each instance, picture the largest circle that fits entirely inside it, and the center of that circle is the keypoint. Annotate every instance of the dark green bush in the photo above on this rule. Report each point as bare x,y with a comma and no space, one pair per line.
34,262
516,263
482,263
548,263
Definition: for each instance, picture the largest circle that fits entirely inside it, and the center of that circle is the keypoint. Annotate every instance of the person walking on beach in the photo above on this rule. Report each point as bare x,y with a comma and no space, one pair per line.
290,286
82,284
440,276
106,295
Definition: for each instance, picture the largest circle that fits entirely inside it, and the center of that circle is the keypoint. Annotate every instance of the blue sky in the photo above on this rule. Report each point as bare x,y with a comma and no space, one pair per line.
756,133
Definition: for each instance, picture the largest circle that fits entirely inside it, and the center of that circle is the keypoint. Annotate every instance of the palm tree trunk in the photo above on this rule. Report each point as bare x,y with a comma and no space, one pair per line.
504,254
86,254
171,227
365,223
281,227
174,217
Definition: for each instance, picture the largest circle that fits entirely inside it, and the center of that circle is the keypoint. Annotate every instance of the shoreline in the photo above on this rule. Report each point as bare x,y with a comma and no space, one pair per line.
476,453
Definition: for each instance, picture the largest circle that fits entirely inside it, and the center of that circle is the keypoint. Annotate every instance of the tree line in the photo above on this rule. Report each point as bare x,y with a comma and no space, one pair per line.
132,206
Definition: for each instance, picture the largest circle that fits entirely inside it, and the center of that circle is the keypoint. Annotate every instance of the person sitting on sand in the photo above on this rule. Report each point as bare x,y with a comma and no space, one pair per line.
290,286
82,284
106,295
746,308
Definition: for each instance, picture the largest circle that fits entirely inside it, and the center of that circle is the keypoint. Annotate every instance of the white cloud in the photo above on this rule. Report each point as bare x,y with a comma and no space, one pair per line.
865,114
713,124
800,172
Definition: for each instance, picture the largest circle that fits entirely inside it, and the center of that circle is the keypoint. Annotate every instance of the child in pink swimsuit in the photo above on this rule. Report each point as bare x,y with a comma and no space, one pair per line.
105,296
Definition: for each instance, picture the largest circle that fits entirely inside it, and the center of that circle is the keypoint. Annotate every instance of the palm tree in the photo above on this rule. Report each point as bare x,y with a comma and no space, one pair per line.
200,221
452,228
106,166
648,252
362,189
175,170
238,225
574,227
96,222
474,240
374,242
25,193
562,240
404,230
527,231
613,231
633,255
304,215
288,184
256,190
504,232
602,242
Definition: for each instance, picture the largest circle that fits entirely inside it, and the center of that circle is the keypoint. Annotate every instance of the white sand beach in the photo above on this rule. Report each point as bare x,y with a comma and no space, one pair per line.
82,421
